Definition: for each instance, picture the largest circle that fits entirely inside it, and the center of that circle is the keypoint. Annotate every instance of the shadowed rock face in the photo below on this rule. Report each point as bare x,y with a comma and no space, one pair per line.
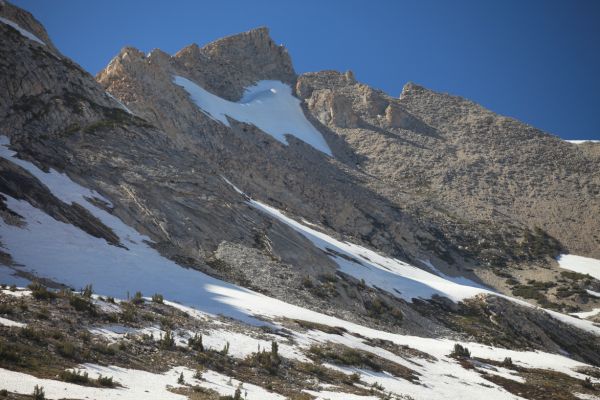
423,177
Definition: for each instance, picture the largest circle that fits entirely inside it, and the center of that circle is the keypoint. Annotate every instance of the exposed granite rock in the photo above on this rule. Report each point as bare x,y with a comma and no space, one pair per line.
462,165
26,21
332,108
424,177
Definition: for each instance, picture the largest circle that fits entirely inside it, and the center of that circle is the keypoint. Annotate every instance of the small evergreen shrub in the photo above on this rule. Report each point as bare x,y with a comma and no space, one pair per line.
105,381
460,352
195,343
507,362
238,393
67,349
40,292
225,350
38,393
138,298
29,332
87,291
157,298
75,376
82,304
128,312
167,341
198,373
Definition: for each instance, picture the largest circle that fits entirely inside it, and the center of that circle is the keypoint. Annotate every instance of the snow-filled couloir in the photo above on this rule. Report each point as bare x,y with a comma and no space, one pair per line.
268,105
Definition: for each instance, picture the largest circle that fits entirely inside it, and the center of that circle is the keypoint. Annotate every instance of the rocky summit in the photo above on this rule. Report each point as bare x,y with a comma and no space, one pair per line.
212,225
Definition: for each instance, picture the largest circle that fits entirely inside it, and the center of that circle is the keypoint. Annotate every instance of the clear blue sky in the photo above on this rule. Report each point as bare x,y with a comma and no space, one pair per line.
535,60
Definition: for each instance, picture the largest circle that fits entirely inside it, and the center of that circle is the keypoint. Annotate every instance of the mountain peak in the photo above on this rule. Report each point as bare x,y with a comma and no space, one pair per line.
252,53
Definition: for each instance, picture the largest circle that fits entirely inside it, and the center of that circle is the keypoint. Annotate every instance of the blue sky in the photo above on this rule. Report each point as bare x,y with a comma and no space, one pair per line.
535,60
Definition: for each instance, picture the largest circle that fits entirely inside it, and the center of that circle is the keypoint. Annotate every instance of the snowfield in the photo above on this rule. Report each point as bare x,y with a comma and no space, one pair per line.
268,105
583,265
136,384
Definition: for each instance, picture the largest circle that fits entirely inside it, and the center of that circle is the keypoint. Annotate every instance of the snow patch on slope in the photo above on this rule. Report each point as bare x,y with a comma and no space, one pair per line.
582,141
268,105
582,265
326,395
123,106
10,322
137,384
587,314
22,31
226,386
66,254
390,274
395,276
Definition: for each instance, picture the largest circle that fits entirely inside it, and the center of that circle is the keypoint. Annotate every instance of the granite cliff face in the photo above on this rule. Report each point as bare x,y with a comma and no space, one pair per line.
429,179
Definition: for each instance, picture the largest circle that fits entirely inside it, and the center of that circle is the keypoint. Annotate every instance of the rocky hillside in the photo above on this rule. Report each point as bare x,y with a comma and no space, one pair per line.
424,176
271,202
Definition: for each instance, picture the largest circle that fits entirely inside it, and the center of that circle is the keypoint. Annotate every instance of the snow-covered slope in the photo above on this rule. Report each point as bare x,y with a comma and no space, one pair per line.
583,265
583,141
66,254
52,249
440,376
396,277
269,105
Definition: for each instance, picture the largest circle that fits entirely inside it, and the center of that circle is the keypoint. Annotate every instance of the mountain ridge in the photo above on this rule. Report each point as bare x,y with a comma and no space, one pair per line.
424,220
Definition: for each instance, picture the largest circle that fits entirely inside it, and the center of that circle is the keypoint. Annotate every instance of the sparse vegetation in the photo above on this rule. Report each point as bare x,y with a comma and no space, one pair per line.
195,343
225,350
40,292
167,341
38,393
334,330
67,349
128,312
82,303
460,352
379,308
75,376
575,276
87,291
106,381
346,356
267,360
158,298
587,383
138,298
